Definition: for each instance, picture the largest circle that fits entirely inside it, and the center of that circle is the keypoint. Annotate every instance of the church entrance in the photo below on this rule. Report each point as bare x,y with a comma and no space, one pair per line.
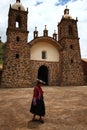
43,74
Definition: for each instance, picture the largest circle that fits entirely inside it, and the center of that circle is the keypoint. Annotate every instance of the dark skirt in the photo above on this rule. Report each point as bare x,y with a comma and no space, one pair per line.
39,108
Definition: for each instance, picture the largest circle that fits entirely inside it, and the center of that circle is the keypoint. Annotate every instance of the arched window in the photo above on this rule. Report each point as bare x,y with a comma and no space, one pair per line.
43,54
17,56
72,61
17,39
71,46
18,22
19,8
70,31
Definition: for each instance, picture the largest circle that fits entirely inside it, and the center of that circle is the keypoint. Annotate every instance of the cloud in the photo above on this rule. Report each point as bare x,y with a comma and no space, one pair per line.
38,3
48,12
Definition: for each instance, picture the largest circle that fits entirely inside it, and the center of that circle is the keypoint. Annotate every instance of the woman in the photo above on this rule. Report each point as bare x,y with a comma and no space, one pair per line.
37,105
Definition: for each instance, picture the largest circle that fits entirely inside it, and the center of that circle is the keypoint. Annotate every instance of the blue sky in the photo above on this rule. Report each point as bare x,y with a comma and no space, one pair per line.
48,12
62,2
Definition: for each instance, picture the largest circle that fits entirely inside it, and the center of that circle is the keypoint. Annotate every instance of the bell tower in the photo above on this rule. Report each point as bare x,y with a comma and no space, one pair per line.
70,61
15,71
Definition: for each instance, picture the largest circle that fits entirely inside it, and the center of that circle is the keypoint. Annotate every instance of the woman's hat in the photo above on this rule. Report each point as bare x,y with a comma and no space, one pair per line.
40,81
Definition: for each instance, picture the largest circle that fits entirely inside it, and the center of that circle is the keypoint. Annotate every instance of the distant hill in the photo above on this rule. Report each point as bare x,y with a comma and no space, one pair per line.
2,50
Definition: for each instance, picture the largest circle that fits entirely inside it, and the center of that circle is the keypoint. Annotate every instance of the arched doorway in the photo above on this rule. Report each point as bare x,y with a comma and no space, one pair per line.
43,74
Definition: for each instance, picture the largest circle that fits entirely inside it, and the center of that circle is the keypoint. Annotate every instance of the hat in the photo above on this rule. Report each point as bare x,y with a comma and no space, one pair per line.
40,81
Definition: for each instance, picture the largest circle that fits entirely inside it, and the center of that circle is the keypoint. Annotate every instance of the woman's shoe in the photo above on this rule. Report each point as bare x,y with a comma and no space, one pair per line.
41,120
34,120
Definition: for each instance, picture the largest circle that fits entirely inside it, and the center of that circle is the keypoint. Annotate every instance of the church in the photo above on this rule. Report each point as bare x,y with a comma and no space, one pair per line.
56,60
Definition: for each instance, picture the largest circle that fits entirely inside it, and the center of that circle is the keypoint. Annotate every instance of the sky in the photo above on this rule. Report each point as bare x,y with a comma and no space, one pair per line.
48,12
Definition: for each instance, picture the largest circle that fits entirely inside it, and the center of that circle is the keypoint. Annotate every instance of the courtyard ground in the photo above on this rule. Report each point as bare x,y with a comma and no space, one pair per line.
66,109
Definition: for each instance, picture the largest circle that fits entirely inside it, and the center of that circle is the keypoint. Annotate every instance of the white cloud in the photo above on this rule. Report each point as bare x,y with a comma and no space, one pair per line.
46,13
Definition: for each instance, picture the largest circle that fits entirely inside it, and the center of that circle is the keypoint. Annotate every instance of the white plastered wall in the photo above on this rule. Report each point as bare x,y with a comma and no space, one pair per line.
52,53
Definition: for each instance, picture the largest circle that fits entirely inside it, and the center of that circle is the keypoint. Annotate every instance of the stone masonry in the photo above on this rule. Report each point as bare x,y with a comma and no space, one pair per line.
20,71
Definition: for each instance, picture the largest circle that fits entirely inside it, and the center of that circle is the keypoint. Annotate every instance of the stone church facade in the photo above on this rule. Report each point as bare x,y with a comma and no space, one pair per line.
56,62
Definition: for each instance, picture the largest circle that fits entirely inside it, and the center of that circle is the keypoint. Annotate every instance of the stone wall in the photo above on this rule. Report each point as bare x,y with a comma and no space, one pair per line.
53,71
20,71
71,65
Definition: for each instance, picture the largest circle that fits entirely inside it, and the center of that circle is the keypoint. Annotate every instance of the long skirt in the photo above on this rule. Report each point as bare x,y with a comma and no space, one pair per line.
39,108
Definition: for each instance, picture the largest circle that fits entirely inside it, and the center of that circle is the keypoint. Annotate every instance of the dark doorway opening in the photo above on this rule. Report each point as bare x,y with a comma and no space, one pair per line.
43,74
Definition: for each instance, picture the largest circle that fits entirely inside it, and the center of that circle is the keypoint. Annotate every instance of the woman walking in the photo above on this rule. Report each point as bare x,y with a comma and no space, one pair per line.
37,105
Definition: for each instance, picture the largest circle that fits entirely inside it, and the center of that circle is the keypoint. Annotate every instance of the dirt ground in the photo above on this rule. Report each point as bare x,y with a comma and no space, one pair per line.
66,109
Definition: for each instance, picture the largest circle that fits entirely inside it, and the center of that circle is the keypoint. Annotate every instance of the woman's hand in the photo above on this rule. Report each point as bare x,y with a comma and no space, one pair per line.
34,101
